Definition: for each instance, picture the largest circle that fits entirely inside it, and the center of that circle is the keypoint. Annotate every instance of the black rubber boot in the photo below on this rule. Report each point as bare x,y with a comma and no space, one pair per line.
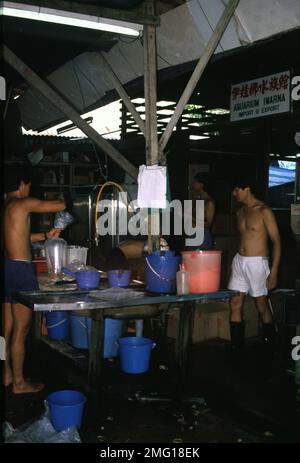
270,349
237,333
269,334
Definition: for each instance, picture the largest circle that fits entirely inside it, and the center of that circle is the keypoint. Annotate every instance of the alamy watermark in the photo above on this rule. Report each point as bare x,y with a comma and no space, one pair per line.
2,88
187,218
2,348
296,350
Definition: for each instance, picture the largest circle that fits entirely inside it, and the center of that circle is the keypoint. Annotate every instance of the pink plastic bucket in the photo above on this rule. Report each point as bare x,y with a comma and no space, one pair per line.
204,268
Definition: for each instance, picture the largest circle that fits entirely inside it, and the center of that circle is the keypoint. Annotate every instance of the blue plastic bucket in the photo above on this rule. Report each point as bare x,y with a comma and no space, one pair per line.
135,354
119,277
160,272
58,325
81,334
66,409
85,279
88,279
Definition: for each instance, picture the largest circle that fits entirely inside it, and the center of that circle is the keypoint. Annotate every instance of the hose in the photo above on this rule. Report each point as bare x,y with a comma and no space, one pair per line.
106,184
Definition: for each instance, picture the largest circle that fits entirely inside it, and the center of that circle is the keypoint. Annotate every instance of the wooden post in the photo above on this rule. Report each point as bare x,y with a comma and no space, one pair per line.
63,105
209,50
150,83
123,125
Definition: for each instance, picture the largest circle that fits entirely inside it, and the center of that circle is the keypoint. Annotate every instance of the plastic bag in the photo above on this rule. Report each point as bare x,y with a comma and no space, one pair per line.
62,220
77,266
39,431
116,294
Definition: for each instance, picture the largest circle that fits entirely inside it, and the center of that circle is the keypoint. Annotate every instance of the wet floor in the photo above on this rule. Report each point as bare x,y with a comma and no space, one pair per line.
215,403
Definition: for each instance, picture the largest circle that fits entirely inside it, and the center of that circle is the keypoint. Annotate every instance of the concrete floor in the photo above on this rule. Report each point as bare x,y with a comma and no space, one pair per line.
217,404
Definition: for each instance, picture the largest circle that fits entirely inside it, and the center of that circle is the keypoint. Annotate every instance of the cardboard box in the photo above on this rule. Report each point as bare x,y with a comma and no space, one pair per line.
211,321
205,323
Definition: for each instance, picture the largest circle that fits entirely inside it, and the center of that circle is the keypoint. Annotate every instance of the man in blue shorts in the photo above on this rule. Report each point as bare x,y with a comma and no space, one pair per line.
18,269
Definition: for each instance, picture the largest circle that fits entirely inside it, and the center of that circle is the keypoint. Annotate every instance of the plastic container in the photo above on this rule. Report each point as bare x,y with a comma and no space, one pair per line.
182,281
119,277
81,334
76,253
135,354
56,254
58,325
160,272
66,409
85,279
204,268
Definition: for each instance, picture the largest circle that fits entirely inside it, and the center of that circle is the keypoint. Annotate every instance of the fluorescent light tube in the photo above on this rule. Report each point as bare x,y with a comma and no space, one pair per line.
68,18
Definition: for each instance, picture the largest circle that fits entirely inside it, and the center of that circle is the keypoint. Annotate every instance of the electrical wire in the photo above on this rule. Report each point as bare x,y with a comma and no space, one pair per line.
208,21
79,83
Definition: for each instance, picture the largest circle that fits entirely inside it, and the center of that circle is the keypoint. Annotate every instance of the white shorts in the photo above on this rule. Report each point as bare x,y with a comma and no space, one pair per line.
249,275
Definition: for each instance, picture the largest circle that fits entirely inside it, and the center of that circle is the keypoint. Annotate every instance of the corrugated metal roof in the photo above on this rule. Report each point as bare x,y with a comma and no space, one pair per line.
181,38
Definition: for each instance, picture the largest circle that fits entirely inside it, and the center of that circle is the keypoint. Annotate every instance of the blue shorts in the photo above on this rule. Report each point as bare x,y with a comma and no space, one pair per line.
19,275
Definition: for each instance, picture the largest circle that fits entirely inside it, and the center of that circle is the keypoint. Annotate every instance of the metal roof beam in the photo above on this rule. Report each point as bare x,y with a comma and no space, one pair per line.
137,16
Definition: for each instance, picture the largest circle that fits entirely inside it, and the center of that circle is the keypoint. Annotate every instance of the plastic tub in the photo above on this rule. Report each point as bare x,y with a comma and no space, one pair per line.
204,268
66,409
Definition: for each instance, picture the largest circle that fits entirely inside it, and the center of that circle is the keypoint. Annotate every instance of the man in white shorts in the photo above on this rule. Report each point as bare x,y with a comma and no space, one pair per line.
251,272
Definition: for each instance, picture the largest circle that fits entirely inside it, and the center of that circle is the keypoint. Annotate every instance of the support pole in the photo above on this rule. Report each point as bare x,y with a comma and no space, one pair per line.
64,106
209,50
151,139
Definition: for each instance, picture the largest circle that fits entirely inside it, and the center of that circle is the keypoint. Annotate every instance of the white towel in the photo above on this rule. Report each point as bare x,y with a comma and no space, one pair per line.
152,187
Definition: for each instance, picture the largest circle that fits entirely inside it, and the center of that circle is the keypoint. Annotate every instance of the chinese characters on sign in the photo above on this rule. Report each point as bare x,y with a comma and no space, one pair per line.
260,97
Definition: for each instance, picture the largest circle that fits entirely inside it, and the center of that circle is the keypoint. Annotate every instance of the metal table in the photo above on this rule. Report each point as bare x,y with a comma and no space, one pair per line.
142,307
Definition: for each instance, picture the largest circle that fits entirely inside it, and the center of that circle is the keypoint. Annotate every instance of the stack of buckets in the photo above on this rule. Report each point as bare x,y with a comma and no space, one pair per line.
60,324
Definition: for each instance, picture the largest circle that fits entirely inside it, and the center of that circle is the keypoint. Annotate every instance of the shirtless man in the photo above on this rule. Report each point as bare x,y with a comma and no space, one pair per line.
250,267
200,188
19,271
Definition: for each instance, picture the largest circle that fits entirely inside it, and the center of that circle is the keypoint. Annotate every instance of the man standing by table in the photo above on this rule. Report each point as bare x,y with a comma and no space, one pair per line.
18,269
250,271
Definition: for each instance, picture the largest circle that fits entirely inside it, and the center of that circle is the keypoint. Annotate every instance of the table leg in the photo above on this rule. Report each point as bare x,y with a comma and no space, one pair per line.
184,337
96,362
38,317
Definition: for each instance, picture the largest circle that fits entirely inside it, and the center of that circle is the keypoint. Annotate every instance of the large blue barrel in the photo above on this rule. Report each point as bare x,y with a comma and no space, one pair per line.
160,272
81,334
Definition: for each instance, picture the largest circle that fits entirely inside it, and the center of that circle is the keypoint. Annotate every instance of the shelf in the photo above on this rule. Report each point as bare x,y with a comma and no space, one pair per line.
66,164
53,185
